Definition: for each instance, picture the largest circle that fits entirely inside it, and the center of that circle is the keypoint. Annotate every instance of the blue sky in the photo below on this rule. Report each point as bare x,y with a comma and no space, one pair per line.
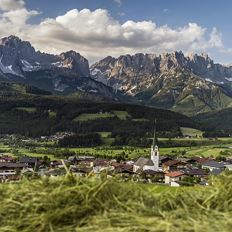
210,26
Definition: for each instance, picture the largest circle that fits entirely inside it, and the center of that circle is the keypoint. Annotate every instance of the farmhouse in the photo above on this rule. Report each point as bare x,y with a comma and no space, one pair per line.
31,162
172,165
7,170
195,172
173,177
213,165
7,159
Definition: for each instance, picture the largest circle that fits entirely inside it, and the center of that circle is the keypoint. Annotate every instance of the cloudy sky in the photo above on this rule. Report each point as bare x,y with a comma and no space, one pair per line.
97,28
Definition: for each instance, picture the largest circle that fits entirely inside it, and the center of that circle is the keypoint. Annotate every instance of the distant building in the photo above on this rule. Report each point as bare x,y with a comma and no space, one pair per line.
173,177
213,165
31,162
172,165
8,170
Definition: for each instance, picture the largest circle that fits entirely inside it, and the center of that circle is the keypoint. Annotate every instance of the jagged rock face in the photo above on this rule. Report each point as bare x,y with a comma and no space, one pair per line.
64,73
169,80
18,57
75,62
151,65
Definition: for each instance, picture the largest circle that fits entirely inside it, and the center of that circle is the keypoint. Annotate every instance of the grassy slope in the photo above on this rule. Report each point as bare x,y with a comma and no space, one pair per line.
86,117
107,205
190,131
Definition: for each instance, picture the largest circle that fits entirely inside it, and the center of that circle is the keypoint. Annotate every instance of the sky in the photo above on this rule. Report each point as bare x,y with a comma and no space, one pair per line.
98,28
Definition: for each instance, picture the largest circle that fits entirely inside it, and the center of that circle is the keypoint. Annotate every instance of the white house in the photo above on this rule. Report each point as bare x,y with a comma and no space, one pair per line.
173,177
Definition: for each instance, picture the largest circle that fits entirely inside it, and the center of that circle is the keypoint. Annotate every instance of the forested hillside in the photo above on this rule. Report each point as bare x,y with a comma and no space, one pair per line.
23,111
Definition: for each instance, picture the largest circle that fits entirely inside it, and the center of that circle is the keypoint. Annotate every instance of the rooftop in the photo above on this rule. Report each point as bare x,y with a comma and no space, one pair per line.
174,174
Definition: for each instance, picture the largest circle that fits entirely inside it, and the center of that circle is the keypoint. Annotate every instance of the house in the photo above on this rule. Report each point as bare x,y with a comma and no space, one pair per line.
124,168
212,165
201,160
31,162
228,166
173,165
85,163
187,160
164,159
84,171
55,172
143,164
7,159
57,164
10,169
196,172
173,177
100,163
77,159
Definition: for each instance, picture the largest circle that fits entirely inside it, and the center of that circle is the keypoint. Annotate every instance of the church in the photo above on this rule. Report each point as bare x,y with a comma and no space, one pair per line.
151,163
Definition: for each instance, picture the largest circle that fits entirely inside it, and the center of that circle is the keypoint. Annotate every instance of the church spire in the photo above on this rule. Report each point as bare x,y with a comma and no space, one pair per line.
154,136
155,151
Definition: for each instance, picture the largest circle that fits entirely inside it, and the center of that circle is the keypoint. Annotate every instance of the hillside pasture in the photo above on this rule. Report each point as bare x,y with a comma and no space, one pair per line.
191,132
93,116
27,109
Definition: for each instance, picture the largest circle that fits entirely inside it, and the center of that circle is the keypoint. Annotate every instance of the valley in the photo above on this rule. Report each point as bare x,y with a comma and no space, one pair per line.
115,116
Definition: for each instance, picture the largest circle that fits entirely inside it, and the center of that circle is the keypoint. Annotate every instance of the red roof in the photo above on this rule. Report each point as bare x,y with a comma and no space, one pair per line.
172,162
174,174
202,160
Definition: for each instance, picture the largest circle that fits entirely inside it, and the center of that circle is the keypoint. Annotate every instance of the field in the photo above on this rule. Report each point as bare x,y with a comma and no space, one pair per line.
100,204
51,114
122,115
191,132
88,117
49,149
27,109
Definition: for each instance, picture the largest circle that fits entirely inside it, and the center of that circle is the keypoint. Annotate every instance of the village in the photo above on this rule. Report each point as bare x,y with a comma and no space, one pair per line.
164,170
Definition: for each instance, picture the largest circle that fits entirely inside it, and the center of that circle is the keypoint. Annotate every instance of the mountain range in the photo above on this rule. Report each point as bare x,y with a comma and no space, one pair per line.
61,74
190,84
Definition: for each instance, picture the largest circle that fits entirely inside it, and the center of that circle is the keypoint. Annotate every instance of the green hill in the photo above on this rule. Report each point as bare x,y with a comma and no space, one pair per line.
44,115
217,120
29,111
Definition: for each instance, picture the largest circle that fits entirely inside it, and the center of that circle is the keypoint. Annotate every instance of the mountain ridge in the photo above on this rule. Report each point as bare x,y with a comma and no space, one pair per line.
66,73
190,84
166,80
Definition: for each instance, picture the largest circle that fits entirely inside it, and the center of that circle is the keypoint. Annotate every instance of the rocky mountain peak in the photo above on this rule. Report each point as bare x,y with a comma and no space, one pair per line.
14,42
18,57
75,62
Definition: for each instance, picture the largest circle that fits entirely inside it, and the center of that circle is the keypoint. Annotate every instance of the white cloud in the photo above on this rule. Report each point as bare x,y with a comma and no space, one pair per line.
216,38
7,5
165,10
18,16
119,2
96,34
121,14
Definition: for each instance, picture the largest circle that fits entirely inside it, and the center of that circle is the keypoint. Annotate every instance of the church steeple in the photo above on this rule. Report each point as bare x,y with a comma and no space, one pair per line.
154,137
155,151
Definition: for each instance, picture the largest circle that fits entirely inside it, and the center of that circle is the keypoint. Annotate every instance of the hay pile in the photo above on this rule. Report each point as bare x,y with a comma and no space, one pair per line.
72,204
